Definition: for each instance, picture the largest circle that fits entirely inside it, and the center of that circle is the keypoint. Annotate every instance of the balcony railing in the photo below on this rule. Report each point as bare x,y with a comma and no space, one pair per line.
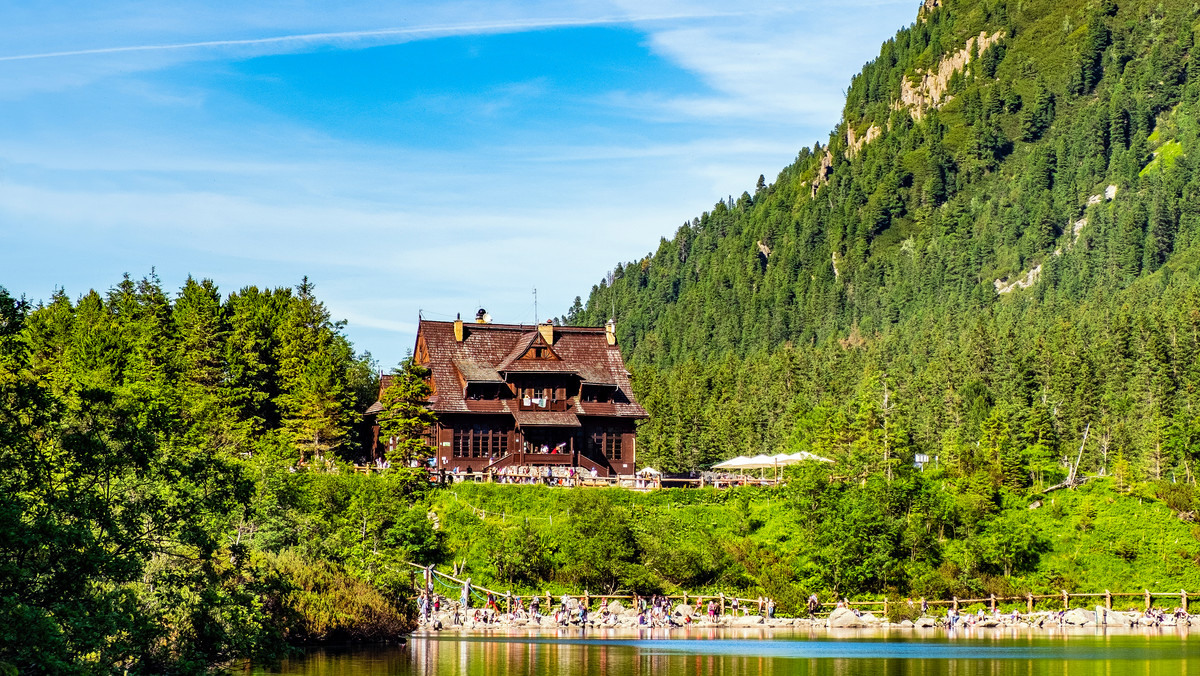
532,404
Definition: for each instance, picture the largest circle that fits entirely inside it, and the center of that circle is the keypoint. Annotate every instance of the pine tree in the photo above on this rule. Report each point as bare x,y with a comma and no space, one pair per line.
406,416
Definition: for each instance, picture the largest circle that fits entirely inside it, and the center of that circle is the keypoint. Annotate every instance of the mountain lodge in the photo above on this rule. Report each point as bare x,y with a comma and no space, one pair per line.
539,398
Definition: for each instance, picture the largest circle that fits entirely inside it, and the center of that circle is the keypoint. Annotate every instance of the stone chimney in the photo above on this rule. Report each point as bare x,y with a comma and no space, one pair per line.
610,332
458,328
547,331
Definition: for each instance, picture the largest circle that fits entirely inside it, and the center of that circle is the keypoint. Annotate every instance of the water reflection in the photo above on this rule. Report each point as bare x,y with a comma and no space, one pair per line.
758,652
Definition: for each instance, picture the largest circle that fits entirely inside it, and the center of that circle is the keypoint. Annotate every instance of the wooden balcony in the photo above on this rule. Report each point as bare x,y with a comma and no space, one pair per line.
551,405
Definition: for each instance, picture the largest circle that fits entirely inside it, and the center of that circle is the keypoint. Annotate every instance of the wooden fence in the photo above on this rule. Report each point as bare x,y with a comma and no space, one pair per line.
508,598
1060,601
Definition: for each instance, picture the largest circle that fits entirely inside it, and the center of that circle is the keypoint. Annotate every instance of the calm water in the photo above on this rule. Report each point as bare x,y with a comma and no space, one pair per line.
757,653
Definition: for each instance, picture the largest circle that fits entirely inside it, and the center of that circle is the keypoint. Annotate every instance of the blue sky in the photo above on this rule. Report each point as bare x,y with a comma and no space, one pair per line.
405,156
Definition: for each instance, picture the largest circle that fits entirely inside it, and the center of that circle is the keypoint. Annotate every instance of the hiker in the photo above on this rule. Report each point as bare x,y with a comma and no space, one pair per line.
951,617
813,604
924,607
735,607
464,600
535,607
712,610
423,604
770,608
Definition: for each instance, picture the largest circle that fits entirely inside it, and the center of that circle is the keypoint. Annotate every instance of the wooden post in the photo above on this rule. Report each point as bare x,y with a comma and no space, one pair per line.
1066,600
722,603
1108,599
993,604
1183,599
1148,600
1029,603
508,602
685,599
955,604
885,607
549,603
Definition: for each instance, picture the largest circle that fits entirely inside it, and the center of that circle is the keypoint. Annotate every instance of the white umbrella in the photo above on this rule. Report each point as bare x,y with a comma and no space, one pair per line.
649,471
759,462
732,463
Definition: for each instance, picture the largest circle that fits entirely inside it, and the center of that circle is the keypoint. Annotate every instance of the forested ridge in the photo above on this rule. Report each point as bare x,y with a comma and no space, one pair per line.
864,303
175,486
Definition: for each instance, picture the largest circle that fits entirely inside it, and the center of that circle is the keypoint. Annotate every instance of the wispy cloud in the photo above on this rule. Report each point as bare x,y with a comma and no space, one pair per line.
374,36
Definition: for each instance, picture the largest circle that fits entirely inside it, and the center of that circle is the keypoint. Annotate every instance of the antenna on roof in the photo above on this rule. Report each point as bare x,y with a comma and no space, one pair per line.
535,314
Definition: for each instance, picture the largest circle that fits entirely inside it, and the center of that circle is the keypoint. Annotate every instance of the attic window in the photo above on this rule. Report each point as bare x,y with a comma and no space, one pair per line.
539,353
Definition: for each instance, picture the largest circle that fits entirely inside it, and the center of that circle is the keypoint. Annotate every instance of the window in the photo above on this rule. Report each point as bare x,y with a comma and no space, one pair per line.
606,441
612,445
480,441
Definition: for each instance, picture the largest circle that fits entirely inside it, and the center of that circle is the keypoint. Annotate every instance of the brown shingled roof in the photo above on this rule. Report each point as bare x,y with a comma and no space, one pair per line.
546,418
485,347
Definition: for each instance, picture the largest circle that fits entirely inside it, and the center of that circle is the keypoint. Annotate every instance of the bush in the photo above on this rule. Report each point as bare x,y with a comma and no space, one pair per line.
326,605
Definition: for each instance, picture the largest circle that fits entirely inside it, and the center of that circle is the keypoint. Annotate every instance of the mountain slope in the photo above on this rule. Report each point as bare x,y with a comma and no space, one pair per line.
993,254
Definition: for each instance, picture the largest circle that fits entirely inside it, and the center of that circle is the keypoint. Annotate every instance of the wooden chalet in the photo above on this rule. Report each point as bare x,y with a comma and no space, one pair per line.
536,397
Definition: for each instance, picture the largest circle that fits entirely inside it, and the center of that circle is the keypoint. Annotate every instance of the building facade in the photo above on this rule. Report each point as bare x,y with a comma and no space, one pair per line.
534,398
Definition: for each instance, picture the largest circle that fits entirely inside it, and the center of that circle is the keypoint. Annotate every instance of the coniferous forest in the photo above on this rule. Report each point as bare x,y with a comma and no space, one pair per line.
992,264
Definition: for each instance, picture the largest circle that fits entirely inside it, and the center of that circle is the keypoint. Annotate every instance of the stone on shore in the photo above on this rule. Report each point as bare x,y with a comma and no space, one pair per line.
615,606
747,621
906,624
1079,617
684,610
925,622
844,617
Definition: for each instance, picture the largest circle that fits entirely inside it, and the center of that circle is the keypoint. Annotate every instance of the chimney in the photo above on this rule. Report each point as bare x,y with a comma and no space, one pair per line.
547,331
458,328
610,332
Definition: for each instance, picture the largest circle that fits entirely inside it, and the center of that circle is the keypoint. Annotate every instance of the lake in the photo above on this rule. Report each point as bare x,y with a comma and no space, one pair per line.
991,652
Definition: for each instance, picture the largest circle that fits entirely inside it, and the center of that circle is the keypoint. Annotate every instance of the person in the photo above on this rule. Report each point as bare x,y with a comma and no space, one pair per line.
813,604
951,617
535,607
583,615
712,610
423,604
770,608
464,599
735,607
924,607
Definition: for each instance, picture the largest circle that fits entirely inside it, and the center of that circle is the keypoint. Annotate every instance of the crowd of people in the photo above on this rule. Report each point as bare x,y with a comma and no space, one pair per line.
550,475
653,611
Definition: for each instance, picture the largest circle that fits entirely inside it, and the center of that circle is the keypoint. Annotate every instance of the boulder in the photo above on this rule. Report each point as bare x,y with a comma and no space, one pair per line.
844,617
615,606
1079,617
747,621
989,622
925,622
906,624
684,610
869,618
1102,615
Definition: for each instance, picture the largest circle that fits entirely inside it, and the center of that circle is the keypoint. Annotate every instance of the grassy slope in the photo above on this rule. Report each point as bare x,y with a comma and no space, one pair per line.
1087,531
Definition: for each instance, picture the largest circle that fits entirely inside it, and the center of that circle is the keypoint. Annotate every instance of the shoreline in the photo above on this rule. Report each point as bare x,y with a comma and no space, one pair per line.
625,623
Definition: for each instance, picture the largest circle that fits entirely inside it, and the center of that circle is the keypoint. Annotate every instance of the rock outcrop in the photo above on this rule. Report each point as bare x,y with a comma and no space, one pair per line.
928,89
854,142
